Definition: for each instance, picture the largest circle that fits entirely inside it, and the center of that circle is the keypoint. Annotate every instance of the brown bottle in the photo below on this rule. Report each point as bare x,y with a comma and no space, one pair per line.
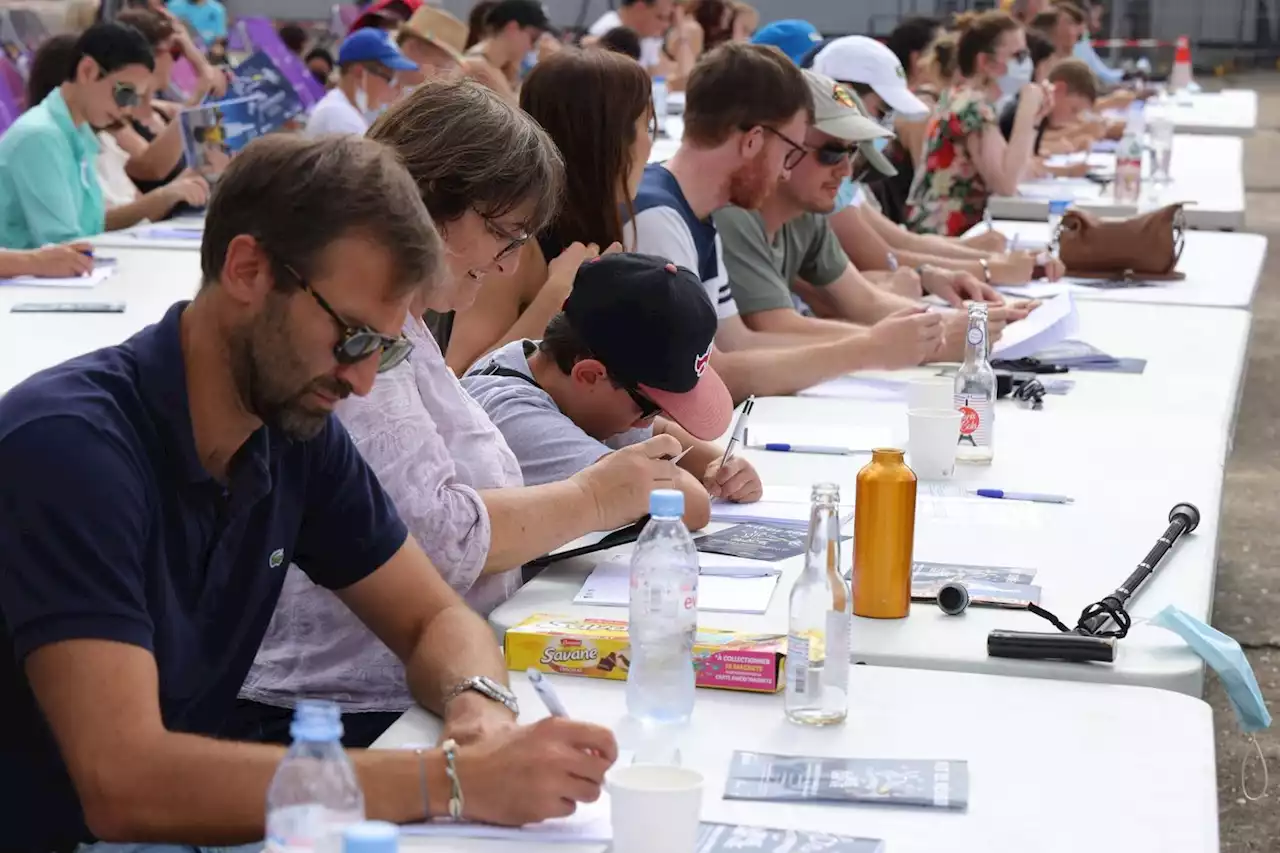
884,530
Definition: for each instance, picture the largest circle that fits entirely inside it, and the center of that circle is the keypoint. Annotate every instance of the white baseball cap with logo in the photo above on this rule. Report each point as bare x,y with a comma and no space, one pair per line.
836,113
859,59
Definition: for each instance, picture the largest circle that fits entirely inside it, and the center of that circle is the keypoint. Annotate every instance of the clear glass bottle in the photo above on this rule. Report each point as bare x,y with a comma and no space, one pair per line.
975,394
820,621
314,795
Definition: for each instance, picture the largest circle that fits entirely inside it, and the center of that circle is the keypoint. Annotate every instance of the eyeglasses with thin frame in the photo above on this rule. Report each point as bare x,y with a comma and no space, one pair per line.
125,95
356,343
797,152
515,242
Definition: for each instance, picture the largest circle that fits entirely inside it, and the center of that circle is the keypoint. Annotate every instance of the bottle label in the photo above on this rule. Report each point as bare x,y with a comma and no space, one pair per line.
310,828
798,664
836,671
975,420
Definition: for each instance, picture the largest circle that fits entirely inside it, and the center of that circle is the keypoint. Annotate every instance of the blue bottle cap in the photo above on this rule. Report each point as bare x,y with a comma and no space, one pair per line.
371,836
666,503
1059,206
316,720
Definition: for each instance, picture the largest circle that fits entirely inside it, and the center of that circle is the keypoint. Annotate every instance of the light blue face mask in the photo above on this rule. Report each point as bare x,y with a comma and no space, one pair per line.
847,195
530,60
882,143
1225,657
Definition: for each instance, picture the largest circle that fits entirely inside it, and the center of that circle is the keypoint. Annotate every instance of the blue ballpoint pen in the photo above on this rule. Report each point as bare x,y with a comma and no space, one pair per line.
1034,497
546,693
824,450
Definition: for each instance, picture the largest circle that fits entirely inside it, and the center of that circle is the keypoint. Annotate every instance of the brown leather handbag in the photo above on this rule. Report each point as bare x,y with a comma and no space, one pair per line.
1145,247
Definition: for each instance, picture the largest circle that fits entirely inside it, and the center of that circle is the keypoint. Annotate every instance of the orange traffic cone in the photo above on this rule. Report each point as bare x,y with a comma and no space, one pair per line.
1180,77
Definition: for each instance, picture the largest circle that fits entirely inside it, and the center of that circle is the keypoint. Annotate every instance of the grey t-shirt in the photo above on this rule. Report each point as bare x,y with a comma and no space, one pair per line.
547,444
761,273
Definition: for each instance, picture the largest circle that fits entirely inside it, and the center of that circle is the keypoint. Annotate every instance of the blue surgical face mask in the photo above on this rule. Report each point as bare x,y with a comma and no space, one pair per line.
530,60
846,196
1227,659
882,143
1019,74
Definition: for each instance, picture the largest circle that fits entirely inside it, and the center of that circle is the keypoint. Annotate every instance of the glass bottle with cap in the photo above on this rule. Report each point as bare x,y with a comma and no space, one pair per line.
975,393
817,692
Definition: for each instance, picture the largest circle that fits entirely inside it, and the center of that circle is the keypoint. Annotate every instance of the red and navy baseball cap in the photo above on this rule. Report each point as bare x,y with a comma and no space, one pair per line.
650,324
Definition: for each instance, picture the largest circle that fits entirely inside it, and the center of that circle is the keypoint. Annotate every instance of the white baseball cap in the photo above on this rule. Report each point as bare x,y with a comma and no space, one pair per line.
858,59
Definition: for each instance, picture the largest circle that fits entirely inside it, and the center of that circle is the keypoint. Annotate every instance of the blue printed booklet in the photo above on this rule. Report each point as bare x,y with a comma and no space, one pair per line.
989,586
887,781
723,838
212,133
277,102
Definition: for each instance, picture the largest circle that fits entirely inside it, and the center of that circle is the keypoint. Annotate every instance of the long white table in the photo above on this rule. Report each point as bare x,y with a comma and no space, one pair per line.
1222,270
1053,766
1206,171
1231,112
1127,447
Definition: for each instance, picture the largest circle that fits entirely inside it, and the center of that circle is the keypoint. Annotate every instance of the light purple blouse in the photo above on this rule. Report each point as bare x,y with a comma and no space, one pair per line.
434,449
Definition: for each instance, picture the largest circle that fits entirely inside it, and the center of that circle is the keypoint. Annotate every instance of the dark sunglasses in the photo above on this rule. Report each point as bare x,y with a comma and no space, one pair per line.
833,154
648,408
356,343
125,95
797,152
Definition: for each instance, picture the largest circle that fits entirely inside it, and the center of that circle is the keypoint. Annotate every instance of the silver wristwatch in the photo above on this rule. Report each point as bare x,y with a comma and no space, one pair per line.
487,687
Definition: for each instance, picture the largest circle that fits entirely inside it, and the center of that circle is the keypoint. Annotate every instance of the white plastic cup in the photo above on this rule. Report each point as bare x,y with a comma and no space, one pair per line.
932,435
656,807
933,392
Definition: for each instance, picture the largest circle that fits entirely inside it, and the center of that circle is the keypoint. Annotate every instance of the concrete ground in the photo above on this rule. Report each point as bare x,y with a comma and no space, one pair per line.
1247,605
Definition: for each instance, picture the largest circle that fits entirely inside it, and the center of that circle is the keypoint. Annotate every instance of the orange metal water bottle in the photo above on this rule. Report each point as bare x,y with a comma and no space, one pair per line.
884,530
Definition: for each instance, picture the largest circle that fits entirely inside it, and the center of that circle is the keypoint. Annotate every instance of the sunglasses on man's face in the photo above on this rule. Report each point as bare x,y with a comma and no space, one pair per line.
648,408
356,343
125,95
834,154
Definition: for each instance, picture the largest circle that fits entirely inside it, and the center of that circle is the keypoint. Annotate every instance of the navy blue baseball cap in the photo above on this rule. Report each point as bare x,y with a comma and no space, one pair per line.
793,37
374,45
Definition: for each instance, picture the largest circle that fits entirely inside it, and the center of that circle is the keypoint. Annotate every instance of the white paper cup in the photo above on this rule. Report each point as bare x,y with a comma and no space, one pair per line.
656,807
931,443
933,392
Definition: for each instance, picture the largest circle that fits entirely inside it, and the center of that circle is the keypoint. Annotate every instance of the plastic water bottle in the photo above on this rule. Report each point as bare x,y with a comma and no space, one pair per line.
1129,157
1057,209
664,616
660,104
314,796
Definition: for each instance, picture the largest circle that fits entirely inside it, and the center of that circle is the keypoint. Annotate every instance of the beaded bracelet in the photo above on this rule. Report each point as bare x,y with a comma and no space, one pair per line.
456,800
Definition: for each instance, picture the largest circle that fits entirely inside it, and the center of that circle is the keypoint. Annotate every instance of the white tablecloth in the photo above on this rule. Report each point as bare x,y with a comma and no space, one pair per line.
1053,766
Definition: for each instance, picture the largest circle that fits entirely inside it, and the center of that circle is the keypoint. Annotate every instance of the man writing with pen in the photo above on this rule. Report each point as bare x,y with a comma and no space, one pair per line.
627,357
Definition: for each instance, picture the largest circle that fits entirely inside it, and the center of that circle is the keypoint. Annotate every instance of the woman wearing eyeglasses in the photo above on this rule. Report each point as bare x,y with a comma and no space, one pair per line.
607,157
49,190
966,158
490,177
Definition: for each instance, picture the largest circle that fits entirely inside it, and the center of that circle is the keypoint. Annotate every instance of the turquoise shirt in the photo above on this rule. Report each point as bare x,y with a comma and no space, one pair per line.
208,19
49,190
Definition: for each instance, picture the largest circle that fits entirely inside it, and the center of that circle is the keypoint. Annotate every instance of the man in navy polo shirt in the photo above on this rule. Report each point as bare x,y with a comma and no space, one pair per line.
155,493
747,111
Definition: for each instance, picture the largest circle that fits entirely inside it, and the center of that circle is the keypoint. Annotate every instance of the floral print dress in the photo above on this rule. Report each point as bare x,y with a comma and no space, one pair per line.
948,196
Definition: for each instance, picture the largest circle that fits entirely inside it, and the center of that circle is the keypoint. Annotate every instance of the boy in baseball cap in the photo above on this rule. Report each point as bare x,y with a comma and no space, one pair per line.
368,61
627,357
873,72
793,37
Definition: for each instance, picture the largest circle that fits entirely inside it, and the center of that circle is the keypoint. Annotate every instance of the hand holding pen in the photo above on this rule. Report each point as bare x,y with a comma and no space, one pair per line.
734,478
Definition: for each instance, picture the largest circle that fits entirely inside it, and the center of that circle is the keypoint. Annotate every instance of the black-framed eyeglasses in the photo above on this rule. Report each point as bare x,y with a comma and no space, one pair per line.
125,95
356,343
797,152
515,242
648,408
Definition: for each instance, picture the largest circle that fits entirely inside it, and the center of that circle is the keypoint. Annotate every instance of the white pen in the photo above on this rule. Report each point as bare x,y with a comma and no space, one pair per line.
546,693
739,435
678,456
820,449
1034,497
1013,245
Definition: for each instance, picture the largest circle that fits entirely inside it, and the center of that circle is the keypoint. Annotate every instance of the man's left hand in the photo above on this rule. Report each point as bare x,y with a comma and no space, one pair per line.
470,717
956,287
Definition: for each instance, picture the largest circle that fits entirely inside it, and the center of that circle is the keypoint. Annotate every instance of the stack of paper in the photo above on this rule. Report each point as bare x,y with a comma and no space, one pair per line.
725,584
1055,320
170,232
1060,189
590,824
101,272
785,506
859,388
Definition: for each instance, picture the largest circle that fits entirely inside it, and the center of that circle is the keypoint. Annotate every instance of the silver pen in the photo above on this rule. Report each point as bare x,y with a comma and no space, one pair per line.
546,693
739,435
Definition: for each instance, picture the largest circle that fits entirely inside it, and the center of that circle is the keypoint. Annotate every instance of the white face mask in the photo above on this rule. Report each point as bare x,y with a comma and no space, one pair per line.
362,104
1019,74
